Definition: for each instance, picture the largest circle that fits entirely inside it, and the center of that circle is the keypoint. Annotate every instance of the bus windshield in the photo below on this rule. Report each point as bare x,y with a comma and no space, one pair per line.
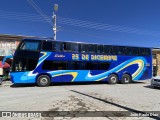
30,45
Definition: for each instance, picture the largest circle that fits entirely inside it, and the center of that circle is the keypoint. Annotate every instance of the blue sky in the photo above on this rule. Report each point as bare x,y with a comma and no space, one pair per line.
120,22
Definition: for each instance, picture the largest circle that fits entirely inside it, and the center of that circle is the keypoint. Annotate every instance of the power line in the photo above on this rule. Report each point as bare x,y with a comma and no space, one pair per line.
101,26
34,5
20,17
76,23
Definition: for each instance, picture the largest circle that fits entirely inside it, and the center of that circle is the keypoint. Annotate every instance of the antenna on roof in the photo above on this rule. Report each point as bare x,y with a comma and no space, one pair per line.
54,20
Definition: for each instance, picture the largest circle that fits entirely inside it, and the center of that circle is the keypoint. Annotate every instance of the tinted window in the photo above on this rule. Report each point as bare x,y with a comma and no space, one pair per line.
69,47
100,49
30,45
76,65
148,51
114,50
104,66
84,48
75,47
53,65
64,47
57,46
107,49
92,48
31,64
121,50
128,51
23,64
135,51
47,45
144,51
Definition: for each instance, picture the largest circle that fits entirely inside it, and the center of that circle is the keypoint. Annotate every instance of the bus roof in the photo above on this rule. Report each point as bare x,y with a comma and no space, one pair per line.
51,39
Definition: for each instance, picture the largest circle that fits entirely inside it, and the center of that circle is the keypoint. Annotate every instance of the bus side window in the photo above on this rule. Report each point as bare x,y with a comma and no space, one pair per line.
92,48
128,51
148,52
107,49
142,51
100,49
135,51
47,45
84,48
145,51
74,47
47,65
121,51
115,50
104,66
64,47
57,46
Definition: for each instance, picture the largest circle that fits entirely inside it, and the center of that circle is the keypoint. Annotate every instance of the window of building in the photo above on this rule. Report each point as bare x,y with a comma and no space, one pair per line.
154,56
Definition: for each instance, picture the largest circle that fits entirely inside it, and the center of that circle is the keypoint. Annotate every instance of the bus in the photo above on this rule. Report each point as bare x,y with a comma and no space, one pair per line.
47,61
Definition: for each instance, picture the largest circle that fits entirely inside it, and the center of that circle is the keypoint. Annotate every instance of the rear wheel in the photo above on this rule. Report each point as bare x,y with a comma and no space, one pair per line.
112,79
126,79
43,81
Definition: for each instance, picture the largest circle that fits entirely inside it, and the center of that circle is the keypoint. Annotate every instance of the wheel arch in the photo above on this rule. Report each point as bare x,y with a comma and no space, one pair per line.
44,74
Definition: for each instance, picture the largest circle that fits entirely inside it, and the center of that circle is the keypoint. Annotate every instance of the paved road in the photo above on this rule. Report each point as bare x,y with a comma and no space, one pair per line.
85,97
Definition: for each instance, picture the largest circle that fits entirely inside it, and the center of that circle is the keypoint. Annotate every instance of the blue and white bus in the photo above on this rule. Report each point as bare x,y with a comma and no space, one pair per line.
47,61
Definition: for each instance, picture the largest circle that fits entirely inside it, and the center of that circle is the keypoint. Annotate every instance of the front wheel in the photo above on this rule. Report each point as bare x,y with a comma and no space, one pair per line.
43,81
126,79
112,79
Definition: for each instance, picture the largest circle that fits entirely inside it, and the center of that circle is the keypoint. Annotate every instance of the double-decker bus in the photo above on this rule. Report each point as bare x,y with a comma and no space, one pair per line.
47,61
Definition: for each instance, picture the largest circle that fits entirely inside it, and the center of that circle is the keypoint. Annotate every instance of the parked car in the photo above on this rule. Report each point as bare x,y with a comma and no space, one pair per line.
155,81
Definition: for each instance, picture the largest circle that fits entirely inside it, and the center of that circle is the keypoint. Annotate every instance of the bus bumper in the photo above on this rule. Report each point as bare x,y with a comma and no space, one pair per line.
21,77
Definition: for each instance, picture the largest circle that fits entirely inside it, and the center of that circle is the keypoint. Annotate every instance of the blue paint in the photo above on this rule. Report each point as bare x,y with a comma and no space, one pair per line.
119,66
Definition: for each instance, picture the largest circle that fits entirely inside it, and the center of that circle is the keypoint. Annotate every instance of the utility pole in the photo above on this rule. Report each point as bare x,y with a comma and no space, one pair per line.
54,20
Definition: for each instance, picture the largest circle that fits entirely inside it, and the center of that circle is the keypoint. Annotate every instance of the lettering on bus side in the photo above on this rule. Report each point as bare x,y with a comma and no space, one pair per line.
88,57
104,57
85,57
75,56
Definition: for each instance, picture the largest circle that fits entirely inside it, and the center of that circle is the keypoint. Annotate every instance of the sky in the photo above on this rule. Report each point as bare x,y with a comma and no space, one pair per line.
118,22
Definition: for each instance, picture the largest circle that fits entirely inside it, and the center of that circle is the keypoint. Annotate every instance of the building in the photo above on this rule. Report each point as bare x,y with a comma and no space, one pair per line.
156,61
8,44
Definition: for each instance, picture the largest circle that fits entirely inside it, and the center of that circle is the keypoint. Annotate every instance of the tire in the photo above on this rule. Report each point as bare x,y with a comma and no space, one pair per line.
112,79
43,81
126,79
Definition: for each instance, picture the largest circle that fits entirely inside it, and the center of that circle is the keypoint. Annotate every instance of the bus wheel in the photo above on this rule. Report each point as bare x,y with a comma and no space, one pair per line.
112,79
126,79
43,81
